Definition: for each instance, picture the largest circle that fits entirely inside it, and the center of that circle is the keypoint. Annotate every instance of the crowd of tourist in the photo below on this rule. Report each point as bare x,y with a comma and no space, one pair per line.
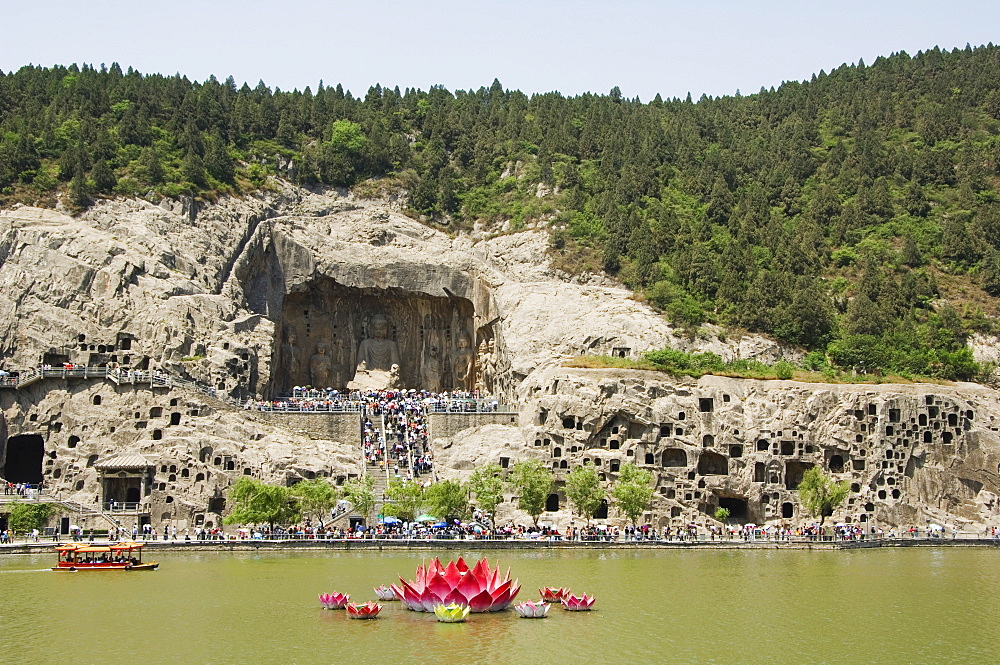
394,431
26,490
304,398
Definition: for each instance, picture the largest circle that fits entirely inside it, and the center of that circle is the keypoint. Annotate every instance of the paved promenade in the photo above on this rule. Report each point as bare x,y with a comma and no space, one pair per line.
377,544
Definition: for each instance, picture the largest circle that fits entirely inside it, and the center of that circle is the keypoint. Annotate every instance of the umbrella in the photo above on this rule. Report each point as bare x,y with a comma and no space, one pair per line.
426,518
390,520
935,527
440,525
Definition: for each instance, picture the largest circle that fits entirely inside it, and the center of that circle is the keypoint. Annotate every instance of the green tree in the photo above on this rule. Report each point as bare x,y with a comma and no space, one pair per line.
584,490
633,491
447,498
722,514
193,169
532,482
218,163
405,498
79,191
820,495
316,497
256,502
150,166
104,177
27,516
361,494
487,484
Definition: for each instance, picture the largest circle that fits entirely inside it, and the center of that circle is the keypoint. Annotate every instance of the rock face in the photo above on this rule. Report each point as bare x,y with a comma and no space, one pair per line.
255,296
911,453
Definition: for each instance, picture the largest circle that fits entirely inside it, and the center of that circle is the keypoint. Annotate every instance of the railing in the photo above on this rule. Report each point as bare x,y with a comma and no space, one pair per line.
122,507
156,378
468,406
116,375
250,535
296,407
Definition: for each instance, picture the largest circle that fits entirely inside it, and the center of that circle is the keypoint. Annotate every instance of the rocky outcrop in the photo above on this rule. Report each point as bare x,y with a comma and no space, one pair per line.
254,296
911,453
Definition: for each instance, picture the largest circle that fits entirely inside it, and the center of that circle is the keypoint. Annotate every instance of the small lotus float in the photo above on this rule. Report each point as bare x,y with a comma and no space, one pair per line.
577,603
532,610
334,601
553,595
367,610
451,613
386,593
480,588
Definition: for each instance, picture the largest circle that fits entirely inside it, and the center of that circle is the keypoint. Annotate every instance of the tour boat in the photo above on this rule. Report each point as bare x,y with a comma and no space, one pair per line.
121,556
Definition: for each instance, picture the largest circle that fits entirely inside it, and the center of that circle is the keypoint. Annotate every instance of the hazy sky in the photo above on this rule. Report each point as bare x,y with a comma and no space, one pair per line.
671,48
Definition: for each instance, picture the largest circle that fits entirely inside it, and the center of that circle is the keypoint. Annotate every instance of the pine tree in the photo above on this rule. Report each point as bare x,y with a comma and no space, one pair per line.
104,177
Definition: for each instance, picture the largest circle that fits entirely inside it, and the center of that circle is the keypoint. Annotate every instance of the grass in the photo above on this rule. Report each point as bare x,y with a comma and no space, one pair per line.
747,370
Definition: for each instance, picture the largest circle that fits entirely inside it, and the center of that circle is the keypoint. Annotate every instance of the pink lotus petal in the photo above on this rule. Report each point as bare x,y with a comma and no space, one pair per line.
482,602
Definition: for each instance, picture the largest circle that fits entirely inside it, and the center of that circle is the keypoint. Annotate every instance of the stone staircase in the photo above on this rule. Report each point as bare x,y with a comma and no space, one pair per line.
376,470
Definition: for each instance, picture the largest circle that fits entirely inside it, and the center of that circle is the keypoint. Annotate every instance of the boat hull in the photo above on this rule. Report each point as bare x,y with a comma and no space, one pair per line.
126,568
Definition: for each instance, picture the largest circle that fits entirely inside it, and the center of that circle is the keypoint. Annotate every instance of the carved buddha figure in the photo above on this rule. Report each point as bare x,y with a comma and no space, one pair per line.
319,367
378,352
465,360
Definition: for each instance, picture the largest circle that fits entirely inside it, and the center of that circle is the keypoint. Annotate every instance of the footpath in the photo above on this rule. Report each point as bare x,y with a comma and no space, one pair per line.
379,544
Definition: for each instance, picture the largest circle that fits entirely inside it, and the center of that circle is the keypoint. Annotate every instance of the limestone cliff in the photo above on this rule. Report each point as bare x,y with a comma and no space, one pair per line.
254,296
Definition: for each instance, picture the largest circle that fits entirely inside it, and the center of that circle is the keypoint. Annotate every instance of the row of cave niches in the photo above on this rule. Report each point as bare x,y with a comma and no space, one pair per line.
939,422
97,355
74,440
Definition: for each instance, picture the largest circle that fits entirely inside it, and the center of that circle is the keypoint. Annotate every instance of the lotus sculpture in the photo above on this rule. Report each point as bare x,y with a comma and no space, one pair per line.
451,613
367,610
386,593
532,610
577,603
334,601
552,594
481,588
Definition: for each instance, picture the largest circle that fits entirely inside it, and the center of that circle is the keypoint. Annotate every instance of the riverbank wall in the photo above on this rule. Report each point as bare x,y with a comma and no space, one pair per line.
377,545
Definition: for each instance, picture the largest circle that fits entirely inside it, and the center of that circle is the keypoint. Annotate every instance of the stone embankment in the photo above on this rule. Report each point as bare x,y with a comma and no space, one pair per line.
156,547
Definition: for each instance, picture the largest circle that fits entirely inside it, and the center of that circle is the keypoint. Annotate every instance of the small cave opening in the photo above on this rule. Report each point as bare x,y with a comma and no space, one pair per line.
674,457
712,464
736,505
794,470
602,511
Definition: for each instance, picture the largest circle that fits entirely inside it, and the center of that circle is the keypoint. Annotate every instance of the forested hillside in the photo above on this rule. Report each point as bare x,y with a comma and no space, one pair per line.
857,214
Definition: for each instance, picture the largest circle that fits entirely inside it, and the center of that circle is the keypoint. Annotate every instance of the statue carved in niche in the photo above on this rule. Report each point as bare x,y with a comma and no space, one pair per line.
487,366
465,361
430,370
378,352
290,356
320,367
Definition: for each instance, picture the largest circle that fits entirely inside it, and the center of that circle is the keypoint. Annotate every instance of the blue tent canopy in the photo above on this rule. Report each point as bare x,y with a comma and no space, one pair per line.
390,520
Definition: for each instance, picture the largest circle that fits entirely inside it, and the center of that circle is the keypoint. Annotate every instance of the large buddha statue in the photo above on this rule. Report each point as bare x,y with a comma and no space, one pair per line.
319,367
378,352
464,364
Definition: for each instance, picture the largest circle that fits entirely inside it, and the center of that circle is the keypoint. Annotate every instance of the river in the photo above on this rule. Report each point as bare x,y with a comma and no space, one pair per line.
913,605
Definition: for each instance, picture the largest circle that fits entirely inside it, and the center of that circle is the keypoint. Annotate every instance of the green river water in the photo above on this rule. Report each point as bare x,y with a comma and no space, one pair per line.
668,606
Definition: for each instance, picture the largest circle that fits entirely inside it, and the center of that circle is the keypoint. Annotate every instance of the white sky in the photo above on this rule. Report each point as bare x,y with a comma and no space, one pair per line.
667,47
